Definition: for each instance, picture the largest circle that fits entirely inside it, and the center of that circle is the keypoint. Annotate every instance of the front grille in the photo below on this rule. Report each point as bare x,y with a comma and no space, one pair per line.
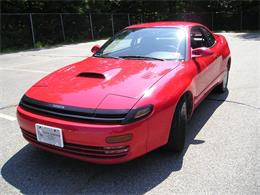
82,150
115,116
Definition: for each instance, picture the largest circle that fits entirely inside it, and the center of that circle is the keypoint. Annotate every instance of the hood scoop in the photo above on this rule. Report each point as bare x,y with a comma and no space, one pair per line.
91,75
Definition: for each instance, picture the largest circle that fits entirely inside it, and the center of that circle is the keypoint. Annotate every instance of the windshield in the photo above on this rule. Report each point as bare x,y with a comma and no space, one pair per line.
148,43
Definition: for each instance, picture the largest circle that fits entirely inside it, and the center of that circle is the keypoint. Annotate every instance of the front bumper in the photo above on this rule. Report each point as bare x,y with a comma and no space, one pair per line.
86,141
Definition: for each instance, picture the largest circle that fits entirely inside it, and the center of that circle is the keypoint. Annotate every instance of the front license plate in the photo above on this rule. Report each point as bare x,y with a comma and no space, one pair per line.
49,135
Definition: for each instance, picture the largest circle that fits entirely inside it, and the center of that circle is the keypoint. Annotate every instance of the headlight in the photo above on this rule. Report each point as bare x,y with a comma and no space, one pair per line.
138,113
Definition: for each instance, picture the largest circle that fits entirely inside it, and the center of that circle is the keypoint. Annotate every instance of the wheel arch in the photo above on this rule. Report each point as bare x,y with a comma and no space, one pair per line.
188,96
229,63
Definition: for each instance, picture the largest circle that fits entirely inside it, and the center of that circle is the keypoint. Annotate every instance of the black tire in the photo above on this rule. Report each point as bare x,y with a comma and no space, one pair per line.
222,87
176,140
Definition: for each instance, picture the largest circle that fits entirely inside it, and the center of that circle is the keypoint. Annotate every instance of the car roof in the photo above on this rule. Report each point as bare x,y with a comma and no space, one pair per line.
164,24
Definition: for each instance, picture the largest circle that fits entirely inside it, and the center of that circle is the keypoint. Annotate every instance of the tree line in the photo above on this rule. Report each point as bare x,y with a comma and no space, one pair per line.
123,6
95,19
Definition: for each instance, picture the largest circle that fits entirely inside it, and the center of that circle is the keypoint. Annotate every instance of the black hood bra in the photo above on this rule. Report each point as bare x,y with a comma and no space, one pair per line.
115,116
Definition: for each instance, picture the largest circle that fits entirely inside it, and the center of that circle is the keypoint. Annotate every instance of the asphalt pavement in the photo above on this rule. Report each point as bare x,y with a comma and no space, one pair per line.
222,148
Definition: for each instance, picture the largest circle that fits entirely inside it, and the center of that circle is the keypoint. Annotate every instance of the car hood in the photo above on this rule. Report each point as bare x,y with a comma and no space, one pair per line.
101,82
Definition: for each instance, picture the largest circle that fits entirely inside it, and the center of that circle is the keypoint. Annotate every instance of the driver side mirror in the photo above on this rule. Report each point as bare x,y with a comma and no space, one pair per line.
95,48
201,52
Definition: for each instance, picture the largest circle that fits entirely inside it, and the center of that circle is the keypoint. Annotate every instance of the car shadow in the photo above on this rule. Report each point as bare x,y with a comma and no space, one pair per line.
34,171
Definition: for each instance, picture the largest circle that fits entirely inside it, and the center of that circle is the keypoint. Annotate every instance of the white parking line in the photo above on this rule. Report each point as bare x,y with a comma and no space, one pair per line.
24,70
7,117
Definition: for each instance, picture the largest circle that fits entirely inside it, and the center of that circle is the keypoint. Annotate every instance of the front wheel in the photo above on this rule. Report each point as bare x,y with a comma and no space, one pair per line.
176,140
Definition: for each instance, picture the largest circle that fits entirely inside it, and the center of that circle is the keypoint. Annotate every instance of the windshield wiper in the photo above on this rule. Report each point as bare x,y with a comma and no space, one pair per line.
141,57
104,56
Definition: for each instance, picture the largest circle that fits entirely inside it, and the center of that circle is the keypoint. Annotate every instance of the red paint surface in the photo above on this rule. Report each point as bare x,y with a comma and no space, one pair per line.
127,84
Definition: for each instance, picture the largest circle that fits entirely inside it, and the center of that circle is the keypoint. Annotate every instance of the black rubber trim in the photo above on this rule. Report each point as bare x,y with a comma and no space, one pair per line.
56,107
73,113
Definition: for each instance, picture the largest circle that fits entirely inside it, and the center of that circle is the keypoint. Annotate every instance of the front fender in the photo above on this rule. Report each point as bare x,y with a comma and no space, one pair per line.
164,95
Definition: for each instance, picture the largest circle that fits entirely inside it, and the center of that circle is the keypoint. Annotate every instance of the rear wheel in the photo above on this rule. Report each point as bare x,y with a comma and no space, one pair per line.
176,140
222,87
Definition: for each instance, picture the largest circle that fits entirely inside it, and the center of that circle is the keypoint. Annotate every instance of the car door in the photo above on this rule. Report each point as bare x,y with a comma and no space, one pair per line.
207,66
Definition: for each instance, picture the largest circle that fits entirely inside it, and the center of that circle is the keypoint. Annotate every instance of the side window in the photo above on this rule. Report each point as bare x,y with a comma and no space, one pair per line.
198,38
210,38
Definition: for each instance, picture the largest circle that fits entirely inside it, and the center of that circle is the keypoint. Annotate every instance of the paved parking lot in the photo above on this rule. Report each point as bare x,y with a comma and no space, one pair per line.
222,149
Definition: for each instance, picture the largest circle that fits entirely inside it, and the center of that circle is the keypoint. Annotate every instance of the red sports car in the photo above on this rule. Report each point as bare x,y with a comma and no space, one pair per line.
135,94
